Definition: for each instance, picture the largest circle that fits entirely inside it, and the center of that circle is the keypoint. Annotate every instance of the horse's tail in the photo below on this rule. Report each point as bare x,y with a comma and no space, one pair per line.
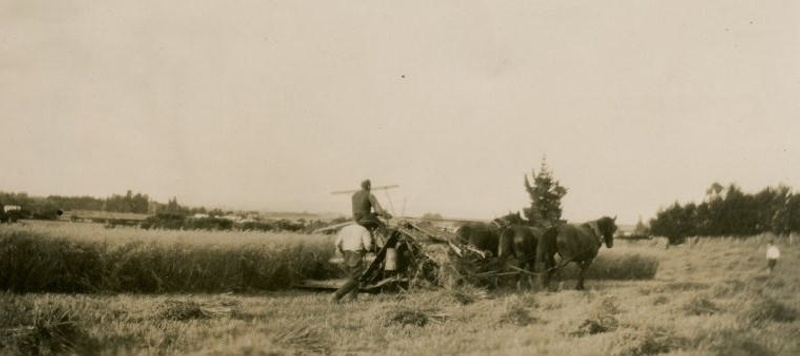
546,248
505,241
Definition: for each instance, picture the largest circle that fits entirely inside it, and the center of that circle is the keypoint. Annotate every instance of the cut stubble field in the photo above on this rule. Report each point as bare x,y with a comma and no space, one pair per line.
713,297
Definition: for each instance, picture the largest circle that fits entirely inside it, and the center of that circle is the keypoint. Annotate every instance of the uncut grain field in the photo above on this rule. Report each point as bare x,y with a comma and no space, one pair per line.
82,289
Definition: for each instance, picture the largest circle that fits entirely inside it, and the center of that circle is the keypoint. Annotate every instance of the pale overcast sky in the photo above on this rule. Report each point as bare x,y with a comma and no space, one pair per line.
273,104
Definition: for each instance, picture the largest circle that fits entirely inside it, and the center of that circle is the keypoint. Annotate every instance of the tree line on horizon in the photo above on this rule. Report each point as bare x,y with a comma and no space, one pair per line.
169,216
729,211
48,207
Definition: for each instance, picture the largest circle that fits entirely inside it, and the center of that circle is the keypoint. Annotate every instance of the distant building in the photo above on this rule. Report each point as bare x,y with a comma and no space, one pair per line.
232,217
7,208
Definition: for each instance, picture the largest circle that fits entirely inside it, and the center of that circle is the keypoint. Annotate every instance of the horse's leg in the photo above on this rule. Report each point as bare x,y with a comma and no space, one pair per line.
584,265
521,256
529,267
547,272
549,268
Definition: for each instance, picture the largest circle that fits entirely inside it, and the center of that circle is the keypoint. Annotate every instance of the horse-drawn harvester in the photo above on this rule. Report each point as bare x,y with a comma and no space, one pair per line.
414,254
418,254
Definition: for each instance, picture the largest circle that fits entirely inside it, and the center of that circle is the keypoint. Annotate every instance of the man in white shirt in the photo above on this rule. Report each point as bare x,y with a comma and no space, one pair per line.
353,242
773,253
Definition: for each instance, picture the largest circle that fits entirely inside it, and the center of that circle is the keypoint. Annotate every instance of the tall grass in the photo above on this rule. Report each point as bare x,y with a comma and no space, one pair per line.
620,266
83,258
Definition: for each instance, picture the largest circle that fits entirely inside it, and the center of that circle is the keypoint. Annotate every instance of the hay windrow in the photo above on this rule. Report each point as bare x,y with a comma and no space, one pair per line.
185,310
410,316
301,337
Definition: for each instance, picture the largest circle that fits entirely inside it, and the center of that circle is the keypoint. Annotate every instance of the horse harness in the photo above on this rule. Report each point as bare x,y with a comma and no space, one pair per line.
596,231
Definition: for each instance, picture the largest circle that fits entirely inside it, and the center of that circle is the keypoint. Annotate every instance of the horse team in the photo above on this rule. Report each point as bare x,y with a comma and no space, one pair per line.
532,250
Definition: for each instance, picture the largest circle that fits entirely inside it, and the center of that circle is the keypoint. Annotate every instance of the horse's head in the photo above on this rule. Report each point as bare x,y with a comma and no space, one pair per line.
607,227
509,219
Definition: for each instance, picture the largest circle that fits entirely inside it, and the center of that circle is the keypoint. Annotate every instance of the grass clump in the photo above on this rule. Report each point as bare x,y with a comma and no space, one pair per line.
408,317
729,341
646,341
683,287
700,306
414,317
185,310
728,288
300,339
518,316
30,330
516,310
766,310
443,298
601,319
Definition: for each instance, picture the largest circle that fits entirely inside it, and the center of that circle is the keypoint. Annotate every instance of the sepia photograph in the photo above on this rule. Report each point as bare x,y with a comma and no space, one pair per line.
400,178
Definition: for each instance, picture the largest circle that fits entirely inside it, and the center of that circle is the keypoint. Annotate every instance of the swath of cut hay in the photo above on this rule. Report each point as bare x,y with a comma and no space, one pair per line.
409,315
185,310
301,338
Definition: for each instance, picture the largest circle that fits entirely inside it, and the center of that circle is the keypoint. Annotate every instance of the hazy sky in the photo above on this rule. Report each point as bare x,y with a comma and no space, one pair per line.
273,104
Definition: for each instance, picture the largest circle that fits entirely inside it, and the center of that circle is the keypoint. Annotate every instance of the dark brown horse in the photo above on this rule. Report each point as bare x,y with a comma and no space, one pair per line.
517,246
483,236
517,249
486,236
574,243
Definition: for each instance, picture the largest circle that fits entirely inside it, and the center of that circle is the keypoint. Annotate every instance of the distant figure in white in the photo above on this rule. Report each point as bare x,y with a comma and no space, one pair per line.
773,253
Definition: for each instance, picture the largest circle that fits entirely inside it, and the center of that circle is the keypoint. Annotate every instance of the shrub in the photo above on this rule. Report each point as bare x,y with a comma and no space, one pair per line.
168,221
213,224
